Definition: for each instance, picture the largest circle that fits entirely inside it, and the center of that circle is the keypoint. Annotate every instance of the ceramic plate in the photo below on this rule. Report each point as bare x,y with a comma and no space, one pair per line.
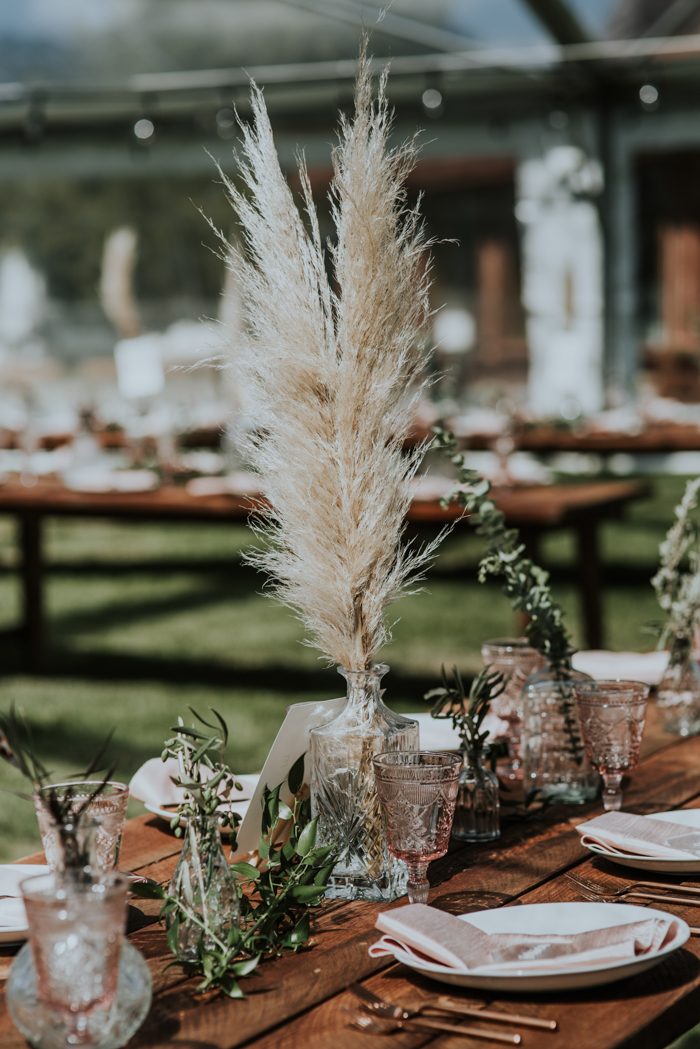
241,807
688,817
554,918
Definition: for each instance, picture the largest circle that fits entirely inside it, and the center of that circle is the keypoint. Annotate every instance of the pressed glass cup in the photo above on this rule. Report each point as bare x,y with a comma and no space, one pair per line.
516,659
417,792
612,716
76,930
105,813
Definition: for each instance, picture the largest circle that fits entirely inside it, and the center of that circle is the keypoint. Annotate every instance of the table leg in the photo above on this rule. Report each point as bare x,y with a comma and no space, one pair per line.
590,583
32,587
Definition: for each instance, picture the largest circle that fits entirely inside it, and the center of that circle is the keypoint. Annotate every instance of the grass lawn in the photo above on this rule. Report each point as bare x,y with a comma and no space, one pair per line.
146,620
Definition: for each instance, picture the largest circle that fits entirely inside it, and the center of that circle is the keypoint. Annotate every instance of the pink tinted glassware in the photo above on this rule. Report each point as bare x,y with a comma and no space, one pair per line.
417,792
612,716
516,659
76,930
106,812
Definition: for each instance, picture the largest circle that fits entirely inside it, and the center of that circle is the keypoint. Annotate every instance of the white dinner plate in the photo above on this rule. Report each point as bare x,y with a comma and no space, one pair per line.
241,807
688,817
555,918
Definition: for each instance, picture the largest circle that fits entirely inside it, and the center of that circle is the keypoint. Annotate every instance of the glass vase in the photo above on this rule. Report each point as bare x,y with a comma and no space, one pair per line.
555,765
516,659
679,691
205,889
478,804
343,791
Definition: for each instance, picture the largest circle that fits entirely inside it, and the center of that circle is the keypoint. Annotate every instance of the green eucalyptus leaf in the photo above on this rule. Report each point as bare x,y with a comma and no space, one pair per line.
295,776
244,871
307,838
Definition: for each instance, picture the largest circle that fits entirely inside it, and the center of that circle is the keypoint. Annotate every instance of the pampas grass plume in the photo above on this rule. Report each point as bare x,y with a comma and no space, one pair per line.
333,366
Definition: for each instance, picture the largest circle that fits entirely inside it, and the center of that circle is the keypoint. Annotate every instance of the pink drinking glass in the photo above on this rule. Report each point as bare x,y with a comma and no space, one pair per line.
417,791
612,716
76,931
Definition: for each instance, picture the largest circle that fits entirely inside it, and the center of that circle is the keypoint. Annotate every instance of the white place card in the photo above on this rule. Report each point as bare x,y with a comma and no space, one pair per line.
291,742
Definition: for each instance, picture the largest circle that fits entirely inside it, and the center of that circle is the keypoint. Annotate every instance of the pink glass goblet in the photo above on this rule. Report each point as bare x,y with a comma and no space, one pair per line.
417,792
612,716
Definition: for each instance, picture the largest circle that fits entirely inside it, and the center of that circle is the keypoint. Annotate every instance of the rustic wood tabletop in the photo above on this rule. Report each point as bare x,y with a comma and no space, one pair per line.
301,1001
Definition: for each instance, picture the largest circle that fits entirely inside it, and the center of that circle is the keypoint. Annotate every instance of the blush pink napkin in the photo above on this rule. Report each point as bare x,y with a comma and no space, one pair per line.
429,934
624,833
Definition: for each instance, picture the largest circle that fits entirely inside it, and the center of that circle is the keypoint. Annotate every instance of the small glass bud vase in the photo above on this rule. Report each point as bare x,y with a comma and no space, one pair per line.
679,691
205,889
343,791
478,805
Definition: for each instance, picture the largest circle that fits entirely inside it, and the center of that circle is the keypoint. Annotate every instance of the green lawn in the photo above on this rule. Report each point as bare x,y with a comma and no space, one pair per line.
146,620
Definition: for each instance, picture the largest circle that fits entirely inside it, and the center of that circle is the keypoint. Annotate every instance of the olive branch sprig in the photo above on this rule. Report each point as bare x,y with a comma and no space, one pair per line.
277,893
67,814
467,708
207,782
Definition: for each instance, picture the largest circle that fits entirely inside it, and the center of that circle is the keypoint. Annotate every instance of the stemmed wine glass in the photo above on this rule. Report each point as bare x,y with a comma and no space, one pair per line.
417,792
612,716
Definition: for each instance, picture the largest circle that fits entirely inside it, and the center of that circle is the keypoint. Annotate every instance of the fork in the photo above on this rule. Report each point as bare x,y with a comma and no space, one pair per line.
624,890
377,1025
381,1007
600,897
630,892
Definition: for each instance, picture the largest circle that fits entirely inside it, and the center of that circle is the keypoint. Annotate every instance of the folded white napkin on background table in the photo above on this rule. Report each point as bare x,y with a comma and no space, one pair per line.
647,667
429,934
153,784
624,833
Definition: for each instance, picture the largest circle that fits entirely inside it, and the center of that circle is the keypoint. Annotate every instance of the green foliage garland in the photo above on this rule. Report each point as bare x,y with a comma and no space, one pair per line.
276,894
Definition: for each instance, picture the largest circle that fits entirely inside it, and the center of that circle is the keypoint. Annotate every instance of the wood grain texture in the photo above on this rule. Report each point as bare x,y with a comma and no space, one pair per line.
300,1002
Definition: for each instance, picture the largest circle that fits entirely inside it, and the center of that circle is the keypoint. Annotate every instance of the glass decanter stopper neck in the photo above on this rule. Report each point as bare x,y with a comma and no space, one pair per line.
364,685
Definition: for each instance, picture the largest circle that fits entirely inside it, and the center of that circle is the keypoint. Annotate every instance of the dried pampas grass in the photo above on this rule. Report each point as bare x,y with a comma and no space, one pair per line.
334,369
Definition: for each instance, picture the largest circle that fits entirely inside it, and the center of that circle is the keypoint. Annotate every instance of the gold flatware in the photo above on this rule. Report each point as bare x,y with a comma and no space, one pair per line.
633,886
444,1004
373,1024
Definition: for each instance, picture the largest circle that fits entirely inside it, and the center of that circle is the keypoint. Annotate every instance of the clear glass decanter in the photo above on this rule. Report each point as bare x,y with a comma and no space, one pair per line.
679,691
343,792
205,887
555,766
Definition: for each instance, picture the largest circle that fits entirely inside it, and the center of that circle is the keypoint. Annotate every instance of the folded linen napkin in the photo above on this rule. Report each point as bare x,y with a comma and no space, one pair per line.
431,935
12,913
624,834
647,667
440,734
153,784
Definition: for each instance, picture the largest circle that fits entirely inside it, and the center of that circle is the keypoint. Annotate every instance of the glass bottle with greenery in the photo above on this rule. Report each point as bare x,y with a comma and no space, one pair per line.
202,882
478,805
555,766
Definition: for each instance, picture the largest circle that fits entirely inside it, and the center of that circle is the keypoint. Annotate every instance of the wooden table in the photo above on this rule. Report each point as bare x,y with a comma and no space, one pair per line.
299,1002
533,509
660,438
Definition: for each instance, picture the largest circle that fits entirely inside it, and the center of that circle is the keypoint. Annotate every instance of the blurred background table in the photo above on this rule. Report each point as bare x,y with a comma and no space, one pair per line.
534,509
